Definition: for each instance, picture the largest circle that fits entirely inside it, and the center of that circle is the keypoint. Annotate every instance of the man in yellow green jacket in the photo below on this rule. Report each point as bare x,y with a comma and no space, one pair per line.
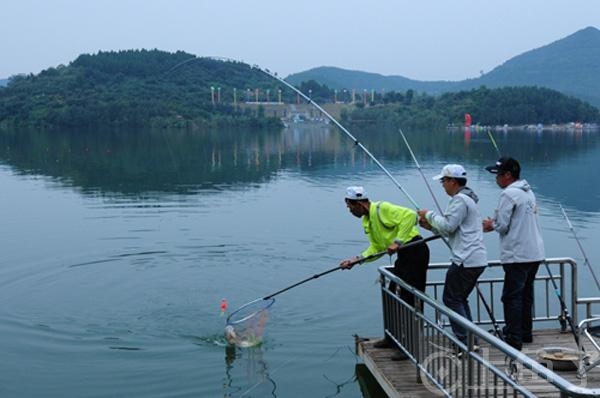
388,227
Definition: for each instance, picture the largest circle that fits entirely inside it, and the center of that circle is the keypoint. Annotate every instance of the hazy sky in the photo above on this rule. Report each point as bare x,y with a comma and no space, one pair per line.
419,39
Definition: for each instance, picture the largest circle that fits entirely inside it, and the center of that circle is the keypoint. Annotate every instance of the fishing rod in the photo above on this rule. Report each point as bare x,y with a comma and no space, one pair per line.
563,305
494,142
497,329
353,263
420,170
585,258
310,101
339,125
479,292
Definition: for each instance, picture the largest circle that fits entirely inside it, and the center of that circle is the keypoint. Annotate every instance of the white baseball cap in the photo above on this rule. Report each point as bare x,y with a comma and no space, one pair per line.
356,193
452,171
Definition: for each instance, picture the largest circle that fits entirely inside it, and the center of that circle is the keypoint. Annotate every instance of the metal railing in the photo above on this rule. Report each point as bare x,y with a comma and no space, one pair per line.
447,366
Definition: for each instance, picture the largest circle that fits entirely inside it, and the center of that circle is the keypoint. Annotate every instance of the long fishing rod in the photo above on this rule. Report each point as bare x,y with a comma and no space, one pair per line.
497,329
360,261
479,292
356,142
585,258
420,170
494,142
563,305
309,100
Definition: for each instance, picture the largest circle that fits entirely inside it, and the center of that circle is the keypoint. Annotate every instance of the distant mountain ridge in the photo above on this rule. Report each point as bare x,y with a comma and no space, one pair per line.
570,65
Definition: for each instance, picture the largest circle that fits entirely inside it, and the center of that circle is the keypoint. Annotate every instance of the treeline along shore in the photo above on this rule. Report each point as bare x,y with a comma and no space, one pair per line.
157,89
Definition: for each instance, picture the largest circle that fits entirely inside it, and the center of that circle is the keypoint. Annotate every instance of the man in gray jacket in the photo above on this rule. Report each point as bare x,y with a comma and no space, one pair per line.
521,248
461,224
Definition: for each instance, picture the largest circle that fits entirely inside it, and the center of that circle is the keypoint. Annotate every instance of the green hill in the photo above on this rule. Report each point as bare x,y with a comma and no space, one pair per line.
570,65
337,78
135,88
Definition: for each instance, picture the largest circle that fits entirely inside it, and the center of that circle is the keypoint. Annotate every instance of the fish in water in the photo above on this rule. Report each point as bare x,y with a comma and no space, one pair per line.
230,335
244,339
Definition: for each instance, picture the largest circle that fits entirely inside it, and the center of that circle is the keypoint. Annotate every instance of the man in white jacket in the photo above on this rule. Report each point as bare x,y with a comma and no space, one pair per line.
521,248
461,224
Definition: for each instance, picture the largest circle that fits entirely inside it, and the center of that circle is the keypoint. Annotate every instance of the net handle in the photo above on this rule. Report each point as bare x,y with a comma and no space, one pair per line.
315,276
359,261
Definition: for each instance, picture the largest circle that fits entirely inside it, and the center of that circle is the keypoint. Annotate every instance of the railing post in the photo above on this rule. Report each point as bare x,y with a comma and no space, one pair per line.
574,293
384,306
418,334
420,331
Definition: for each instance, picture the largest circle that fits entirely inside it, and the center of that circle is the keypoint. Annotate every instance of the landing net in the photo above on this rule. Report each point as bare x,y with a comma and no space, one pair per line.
246,325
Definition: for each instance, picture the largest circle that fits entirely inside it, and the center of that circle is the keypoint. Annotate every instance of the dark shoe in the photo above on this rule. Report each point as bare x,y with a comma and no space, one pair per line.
527,339
383,343
399,356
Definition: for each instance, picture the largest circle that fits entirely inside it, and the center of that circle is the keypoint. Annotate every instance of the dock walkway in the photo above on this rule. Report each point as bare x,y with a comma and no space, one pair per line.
401,379
439,364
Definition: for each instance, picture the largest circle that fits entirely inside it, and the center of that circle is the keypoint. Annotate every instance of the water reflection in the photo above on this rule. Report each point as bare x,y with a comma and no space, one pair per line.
150,266
157,162
256,369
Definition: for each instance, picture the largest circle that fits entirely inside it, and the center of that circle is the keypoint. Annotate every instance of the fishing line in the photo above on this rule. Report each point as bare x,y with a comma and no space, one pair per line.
585,258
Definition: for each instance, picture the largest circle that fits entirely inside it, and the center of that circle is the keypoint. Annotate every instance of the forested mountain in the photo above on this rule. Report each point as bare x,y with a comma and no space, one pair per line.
145,88
152,88
570,65
340,79
3,82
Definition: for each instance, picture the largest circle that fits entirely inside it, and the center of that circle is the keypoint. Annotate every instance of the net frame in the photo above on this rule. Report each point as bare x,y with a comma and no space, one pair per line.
246,326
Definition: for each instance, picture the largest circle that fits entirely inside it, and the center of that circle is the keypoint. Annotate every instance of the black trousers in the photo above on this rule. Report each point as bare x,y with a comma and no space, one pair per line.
411,266
517,297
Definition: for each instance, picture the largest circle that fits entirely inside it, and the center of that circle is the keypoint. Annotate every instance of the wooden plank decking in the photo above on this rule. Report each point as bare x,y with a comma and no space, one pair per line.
400,378
396,378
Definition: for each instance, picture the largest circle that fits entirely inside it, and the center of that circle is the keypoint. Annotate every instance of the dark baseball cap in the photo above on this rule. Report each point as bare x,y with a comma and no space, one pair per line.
505,164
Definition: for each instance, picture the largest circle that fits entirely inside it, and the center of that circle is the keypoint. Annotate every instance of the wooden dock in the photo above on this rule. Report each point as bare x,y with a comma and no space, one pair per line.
401,379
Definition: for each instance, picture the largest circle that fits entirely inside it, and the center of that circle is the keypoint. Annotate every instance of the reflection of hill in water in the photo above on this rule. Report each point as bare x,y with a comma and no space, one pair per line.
132,163
558,164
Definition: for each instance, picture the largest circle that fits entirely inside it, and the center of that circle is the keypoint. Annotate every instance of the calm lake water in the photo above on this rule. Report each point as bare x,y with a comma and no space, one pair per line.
119,247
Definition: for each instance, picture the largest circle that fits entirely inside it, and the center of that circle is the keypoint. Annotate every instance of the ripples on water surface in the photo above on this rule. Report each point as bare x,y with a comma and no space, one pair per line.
107,292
